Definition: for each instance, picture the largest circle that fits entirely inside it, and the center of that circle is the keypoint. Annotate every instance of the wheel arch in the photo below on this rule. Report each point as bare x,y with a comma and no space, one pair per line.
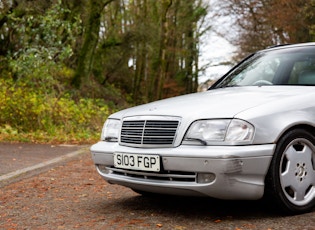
306,127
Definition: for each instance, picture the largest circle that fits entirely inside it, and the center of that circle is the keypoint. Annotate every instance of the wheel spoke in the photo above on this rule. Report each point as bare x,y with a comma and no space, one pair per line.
286,178
289,181
291,154
306,155
299,195
288,171
300,192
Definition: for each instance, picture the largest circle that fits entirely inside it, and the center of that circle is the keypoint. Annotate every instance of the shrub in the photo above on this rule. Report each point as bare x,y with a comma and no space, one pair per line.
30,115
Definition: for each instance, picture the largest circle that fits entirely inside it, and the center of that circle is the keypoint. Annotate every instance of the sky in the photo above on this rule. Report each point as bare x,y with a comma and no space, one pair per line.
214,49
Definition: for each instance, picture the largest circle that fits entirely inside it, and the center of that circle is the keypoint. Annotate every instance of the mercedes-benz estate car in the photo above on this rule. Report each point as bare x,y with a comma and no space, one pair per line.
250,134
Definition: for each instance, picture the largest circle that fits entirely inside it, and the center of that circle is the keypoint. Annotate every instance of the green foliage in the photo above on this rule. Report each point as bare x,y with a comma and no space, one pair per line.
115,52
45,45
25,111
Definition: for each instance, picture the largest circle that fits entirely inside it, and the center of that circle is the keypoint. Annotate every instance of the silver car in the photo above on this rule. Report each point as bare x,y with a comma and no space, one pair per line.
251,134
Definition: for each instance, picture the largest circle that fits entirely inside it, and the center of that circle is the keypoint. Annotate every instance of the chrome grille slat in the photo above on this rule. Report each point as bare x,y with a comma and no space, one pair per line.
148,132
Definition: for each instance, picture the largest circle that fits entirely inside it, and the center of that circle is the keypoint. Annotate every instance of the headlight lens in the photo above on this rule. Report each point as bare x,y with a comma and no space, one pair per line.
221,131
208,130
111,130
239,131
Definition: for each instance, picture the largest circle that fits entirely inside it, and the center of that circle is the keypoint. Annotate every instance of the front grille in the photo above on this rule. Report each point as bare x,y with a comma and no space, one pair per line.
148,132
176,176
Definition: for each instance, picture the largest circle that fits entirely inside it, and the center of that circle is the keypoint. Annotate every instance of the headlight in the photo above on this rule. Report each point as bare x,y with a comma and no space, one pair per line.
111,130
221,131
239,131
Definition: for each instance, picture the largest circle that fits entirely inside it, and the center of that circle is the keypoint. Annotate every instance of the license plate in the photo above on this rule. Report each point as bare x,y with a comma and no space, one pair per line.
142,162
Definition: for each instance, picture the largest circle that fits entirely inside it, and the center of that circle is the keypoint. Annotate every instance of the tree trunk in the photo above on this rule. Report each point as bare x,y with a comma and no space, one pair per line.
91,37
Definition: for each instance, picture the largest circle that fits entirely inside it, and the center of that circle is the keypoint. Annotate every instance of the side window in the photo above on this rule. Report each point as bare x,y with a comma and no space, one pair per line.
303,72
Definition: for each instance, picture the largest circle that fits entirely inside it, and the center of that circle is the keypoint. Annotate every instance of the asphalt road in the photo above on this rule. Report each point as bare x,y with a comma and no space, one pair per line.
69,194
19,160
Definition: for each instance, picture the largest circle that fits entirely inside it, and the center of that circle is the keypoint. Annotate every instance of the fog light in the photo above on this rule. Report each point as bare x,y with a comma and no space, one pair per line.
204,178
103,169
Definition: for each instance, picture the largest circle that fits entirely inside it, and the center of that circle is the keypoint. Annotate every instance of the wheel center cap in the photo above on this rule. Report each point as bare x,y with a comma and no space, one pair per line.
301,172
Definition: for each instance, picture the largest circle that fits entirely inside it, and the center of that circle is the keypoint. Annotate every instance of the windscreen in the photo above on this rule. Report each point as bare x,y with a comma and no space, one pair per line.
287,66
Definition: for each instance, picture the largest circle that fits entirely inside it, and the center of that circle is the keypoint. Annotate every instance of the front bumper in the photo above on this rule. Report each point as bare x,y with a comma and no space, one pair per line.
231,172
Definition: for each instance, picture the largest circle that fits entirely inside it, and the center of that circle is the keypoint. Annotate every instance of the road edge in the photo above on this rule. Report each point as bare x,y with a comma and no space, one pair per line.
15,174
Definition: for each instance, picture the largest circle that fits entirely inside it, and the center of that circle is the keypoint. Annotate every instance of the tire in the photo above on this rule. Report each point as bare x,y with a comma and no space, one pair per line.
291,176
